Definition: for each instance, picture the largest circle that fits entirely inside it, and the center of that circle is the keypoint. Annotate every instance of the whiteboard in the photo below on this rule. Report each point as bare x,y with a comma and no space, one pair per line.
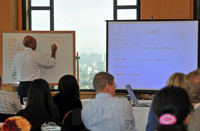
12,43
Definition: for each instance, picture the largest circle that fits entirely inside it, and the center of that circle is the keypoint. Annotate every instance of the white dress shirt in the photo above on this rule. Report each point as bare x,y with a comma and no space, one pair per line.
27,64
108,113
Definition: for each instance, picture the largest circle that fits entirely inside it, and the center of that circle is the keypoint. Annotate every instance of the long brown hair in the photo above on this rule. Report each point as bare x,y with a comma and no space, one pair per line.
39,103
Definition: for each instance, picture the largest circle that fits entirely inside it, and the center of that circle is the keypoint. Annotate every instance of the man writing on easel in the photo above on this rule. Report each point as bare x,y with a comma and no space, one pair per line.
27,64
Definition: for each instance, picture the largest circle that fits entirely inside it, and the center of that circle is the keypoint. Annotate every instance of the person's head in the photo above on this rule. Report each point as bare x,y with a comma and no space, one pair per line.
171,102
39,92
68,85
103,82
176,79
192,85
30,42
39,103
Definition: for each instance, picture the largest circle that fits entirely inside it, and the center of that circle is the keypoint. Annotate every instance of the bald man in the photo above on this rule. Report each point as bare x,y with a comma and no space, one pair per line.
27,64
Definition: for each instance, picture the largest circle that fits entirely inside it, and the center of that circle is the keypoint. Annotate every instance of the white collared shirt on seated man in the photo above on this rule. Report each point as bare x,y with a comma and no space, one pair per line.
107,112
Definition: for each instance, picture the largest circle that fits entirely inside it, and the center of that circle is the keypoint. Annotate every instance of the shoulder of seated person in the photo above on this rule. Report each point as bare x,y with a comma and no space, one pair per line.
123,101
21,112
6,93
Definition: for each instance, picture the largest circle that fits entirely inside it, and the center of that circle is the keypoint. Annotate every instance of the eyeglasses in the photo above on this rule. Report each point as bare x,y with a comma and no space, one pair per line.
113,85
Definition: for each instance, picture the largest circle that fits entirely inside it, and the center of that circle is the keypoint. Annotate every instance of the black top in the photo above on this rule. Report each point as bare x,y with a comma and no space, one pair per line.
55,120
65,104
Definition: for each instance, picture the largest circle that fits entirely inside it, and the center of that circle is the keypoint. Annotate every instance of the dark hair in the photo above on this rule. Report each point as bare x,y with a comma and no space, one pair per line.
101,79
69,87
39,103
175,101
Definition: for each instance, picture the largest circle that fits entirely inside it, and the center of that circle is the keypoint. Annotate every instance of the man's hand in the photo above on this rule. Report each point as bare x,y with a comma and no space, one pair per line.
53,48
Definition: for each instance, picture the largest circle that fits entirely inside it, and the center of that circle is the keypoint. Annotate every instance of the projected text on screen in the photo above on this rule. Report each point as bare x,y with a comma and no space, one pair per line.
145,54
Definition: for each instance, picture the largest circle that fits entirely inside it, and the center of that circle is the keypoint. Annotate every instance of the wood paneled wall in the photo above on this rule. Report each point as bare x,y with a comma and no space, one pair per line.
5,15
10,14
166,9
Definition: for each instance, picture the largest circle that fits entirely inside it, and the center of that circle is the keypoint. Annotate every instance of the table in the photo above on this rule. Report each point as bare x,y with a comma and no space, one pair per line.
140,113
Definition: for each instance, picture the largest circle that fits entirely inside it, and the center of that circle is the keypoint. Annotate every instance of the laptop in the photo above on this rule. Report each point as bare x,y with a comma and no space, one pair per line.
134,99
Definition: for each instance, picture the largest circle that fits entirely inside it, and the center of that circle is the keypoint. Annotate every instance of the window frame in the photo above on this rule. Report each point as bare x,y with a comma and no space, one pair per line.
27,24
50,8
116,7
27,18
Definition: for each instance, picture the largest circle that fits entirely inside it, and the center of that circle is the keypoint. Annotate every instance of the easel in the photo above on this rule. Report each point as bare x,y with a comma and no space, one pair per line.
77,67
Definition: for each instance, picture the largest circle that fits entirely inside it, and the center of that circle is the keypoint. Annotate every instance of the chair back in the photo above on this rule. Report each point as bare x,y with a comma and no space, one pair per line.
72,121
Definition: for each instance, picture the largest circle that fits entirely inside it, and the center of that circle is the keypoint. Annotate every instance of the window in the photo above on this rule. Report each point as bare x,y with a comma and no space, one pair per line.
126,9
41,15
88,19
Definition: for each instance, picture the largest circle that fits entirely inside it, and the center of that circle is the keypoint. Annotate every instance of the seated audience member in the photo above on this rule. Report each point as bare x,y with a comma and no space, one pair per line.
40,107
176,79
192,85
193,123
68,97
107,112
171,107
9,104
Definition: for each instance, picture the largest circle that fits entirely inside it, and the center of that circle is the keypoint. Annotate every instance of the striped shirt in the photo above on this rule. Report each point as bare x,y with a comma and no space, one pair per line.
108,113
9,103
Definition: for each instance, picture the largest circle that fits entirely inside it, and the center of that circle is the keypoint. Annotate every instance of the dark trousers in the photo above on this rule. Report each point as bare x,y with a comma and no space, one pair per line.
23,89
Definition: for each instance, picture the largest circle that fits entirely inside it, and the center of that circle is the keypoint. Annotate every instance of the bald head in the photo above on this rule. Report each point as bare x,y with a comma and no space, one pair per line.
29,41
